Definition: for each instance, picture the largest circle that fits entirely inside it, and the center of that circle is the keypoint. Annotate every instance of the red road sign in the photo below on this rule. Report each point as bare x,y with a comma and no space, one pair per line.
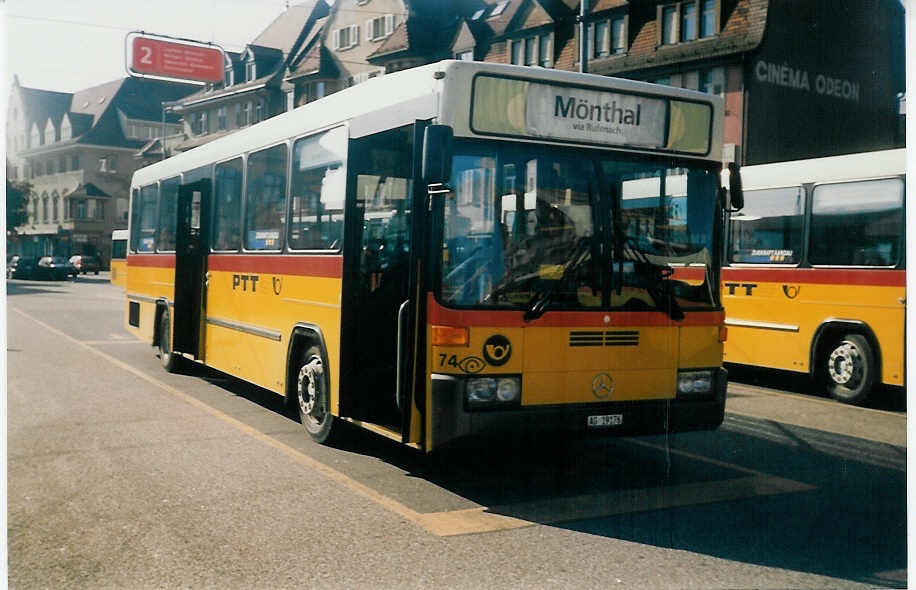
175,59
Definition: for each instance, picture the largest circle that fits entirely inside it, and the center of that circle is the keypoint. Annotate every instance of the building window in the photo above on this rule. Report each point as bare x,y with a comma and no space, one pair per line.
44,209
669,25
251,70
515,53
465,55
204,123
35,210
498,10
712,81
688,21
50,166
229,75
259,110
221,118
55,206
530,48
618,35
346,37
544,51
380,27
246,114
708,18
599,39
75,163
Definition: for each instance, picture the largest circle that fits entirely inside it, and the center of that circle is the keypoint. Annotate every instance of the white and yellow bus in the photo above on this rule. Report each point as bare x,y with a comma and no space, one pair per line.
815,278
119,257
457,249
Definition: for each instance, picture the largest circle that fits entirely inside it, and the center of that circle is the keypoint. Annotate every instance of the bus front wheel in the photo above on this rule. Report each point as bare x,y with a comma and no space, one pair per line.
313,395
849,369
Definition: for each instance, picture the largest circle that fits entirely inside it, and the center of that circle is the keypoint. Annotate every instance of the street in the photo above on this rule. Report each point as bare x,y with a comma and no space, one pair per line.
121,475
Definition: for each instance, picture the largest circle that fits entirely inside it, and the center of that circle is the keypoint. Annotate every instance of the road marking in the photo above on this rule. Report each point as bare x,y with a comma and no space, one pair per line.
98,342
482,519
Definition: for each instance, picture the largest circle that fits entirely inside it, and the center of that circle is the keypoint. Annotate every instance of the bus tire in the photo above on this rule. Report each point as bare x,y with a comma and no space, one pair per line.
849,369
168,358
313,397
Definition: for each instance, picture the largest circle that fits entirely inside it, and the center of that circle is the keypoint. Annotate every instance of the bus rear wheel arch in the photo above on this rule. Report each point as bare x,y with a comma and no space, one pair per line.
847,365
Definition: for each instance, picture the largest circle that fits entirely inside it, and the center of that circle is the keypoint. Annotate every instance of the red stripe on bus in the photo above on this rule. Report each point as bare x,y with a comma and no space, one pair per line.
821,276
152,260
281,264
444,316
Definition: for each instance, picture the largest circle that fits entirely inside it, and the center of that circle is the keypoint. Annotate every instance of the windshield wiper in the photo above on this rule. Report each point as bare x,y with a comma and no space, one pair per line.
538,304
658,289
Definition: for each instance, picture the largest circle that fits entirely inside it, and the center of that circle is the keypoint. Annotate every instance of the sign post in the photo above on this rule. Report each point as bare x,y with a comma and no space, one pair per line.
178,60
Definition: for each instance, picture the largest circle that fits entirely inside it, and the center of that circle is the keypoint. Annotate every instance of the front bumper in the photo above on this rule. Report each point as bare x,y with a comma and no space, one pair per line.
451,422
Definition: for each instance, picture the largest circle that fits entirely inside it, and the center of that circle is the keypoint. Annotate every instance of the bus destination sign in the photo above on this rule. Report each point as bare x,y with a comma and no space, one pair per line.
547,111
183,61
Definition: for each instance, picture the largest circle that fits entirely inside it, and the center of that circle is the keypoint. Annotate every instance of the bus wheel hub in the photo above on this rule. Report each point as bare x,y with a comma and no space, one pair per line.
307,389
845,364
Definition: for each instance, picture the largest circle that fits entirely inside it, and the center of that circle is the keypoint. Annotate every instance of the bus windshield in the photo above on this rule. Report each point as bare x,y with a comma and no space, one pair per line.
536,227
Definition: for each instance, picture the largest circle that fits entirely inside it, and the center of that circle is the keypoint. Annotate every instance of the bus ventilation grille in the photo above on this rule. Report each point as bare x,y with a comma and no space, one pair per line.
601,338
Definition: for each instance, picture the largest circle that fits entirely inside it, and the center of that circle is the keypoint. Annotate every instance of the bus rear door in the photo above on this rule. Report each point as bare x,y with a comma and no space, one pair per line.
191,248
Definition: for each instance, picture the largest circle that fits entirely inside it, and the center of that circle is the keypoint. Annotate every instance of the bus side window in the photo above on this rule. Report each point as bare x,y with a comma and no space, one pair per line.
265,197
317,191
146,218
857,223
227,206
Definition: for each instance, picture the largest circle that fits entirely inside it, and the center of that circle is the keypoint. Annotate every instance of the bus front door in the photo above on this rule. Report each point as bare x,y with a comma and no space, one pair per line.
381,338
191,248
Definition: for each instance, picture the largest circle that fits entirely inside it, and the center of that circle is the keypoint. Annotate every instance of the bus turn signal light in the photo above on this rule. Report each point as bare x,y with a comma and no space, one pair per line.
450,336
723,333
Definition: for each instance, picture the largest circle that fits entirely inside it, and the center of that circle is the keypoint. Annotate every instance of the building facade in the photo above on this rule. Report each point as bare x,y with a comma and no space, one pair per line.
253,87
79,152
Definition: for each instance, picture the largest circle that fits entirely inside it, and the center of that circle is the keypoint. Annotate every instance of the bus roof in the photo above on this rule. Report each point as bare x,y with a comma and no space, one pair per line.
440,91
830,169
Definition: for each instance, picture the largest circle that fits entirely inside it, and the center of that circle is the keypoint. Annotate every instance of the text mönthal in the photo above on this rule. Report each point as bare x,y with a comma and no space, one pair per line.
572,108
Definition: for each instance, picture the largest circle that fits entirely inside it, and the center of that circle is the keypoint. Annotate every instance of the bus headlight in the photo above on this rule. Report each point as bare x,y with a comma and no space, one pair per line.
492,391
694,382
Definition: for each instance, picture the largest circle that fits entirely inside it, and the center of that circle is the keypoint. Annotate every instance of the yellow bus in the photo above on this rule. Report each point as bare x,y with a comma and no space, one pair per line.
815,278
457,249
119,257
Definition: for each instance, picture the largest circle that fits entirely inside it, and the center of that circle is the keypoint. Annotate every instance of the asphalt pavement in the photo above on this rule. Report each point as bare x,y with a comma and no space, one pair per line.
123,476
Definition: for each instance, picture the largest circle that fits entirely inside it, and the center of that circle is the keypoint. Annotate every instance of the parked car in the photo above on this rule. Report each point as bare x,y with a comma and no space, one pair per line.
21,267
85,264
54,268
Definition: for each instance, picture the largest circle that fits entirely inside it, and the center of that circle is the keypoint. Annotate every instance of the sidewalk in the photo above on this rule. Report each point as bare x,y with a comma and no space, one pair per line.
817,414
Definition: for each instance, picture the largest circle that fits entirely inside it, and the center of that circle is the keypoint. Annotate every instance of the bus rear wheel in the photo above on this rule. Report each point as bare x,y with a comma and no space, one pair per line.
849,369
168,358
314,398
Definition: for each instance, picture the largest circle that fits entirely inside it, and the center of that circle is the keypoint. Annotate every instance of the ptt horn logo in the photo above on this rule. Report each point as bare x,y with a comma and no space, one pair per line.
497,350
791,291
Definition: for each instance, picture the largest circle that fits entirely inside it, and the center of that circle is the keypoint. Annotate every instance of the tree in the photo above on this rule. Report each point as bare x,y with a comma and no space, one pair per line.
17,200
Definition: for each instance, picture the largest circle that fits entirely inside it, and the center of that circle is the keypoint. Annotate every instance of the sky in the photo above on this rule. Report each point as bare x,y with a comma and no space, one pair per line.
68,45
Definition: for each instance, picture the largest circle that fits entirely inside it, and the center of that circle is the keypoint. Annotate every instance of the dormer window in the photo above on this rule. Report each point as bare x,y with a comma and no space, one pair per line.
609,36
380,27
250,70
687,21
228,75
499,8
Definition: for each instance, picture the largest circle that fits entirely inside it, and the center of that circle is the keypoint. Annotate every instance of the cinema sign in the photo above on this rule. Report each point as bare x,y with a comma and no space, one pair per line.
799,79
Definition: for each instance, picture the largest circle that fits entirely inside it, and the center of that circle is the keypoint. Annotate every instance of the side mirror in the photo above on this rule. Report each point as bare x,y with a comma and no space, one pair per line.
437,154
734,187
